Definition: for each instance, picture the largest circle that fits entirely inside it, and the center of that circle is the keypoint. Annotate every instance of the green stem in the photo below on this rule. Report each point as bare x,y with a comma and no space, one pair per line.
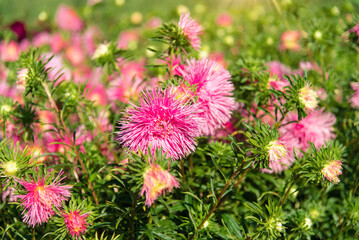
290,187
133,211
218,202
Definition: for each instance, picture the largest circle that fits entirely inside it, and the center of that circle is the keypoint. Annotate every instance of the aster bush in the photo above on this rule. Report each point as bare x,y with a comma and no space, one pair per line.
202,121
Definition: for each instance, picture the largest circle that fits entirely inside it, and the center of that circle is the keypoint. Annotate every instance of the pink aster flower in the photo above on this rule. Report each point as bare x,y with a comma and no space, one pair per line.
224,20
332,170
156,182
316,127
67,19
9,52
214,92
191,29
76,223
161,120
42,197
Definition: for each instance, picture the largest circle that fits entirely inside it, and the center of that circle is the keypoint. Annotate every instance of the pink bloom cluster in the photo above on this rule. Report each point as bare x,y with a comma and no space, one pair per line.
317,128
41,199
156,182
332,170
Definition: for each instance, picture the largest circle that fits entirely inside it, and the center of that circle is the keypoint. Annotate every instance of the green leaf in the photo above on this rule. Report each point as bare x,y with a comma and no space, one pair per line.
232,225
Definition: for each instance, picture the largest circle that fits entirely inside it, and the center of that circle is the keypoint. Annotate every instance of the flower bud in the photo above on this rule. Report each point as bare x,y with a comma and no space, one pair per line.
21,78
332,170
10,168
101,51
308,97
276,150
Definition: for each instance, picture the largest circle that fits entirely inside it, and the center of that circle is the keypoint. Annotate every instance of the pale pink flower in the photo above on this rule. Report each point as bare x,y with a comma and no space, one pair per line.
41,39
290,40
42,197
156,182
354,100
154,22
332,170
57,67
191,29
76,223
75,55
161,120
67,19
97,94
214,91
316,127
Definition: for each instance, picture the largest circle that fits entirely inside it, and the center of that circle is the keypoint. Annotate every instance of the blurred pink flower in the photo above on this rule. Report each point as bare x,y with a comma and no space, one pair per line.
191,29
277,69
76,223
214,91
155,182
97,94
57,43
290,41
354,100
9,52
75,55
41,39
126,37
42,197
154,22
67,19
161,120
224,20
56,64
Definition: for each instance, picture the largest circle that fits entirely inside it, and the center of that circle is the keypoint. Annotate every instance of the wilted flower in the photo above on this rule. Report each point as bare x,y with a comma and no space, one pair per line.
308,97
332,170
76,222
213,92
41,198
191,29
276,150
161,120
156,182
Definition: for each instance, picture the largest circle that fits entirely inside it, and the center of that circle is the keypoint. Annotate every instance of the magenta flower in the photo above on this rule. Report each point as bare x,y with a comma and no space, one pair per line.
214,92
191,29
41,198
161,120
355,29
76,223
156,182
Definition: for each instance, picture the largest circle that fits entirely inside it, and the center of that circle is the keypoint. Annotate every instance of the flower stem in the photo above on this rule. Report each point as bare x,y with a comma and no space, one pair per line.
133,211
287,193
60,122
218,202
